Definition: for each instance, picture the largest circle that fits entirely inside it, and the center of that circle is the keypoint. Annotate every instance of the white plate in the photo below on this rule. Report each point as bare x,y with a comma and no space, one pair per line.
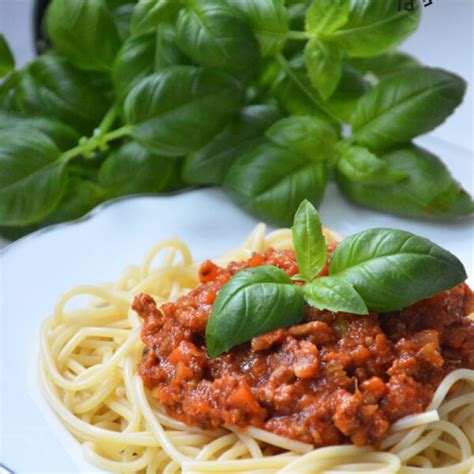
36,270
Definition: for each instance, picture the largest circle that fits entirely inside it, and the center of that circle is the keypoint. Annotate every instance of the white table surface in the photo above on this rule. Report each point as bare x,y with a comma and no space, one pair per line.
445,39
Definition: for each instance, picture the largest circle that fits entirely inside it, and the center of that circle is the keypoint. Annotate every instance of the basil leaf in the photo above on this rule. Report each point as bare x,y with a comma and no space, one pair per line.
295,101
31,176
428,190
254,301
386,64
394,111
216,36
7,62
144,54
311,137
51,87
85,32
132,169
309,242
178,102
269,21
374,27
359,164
148,14
63,136
80,196
324,63
352,86
296,17
326,16
392,269
135,60
122,14
270,182
210,164
334,294
8,90
167,51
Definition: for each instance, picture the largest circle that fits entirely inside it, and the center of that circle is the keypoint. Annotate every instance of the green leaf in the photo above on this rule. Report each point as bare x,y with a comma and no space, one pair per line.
428,191
131,169
179,109
135,60
62,135
386,64
392,269
324,63
31,176
296,18
80,196
8,90
309,136
52,88
270,182
269,21
7,62
122,16
167,51
309,241
350,89
210,164
374,27
326,16
216,36
85,32
406,105
301,98
334,294
254,301
359,164
144,54
148,14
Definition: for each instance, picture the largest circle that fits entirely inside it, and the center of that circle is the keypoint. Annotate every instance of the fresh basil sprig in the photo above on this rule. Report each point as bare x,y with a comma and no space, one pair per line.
176,80
375,270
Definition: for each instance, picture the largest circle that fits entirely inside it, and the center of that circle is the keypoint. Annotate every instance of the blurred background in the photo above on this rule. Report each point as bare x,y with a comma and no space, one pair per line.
445,39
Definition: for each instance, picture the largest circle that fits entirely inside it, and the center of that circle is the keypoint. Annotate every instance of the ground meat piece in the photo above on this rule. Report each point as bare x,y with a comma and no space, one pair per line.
405,397
334,378
362,423
267,340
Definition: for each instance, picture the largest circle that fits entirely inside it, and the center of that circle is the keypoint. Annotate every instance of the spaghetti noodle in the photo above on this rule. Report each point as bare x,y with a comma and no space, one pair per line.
88,367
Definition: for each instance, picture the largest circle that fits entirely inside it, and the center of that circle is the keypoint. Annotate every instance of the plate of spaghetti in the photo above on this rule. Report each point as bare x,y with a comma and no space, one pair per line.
230,347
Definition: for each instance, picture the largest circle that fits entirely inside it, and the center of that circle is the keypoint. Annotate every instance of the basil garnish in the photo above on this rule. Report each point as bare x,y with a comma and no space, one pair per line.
334,294
375,270
309,241
392,269
254,301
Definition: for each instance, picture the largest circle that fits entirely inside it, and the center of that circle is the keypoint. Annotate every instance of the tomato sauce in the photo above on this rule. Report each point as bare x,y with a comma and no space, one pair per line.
334,378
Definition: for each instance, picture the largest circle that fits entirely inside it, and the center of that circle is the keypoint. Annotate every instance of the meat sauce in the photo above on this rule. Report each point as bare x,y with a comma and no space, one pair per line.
334,378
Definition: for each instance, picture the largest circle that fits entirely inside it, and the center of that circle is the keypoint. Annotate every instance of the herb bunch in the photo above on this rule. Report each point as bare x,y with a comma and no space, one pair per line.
158,95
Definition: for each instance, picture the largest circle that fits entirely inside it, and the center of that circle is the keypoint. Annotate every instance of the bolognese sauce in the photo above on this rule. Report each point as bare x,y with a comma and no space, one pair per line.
334,378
